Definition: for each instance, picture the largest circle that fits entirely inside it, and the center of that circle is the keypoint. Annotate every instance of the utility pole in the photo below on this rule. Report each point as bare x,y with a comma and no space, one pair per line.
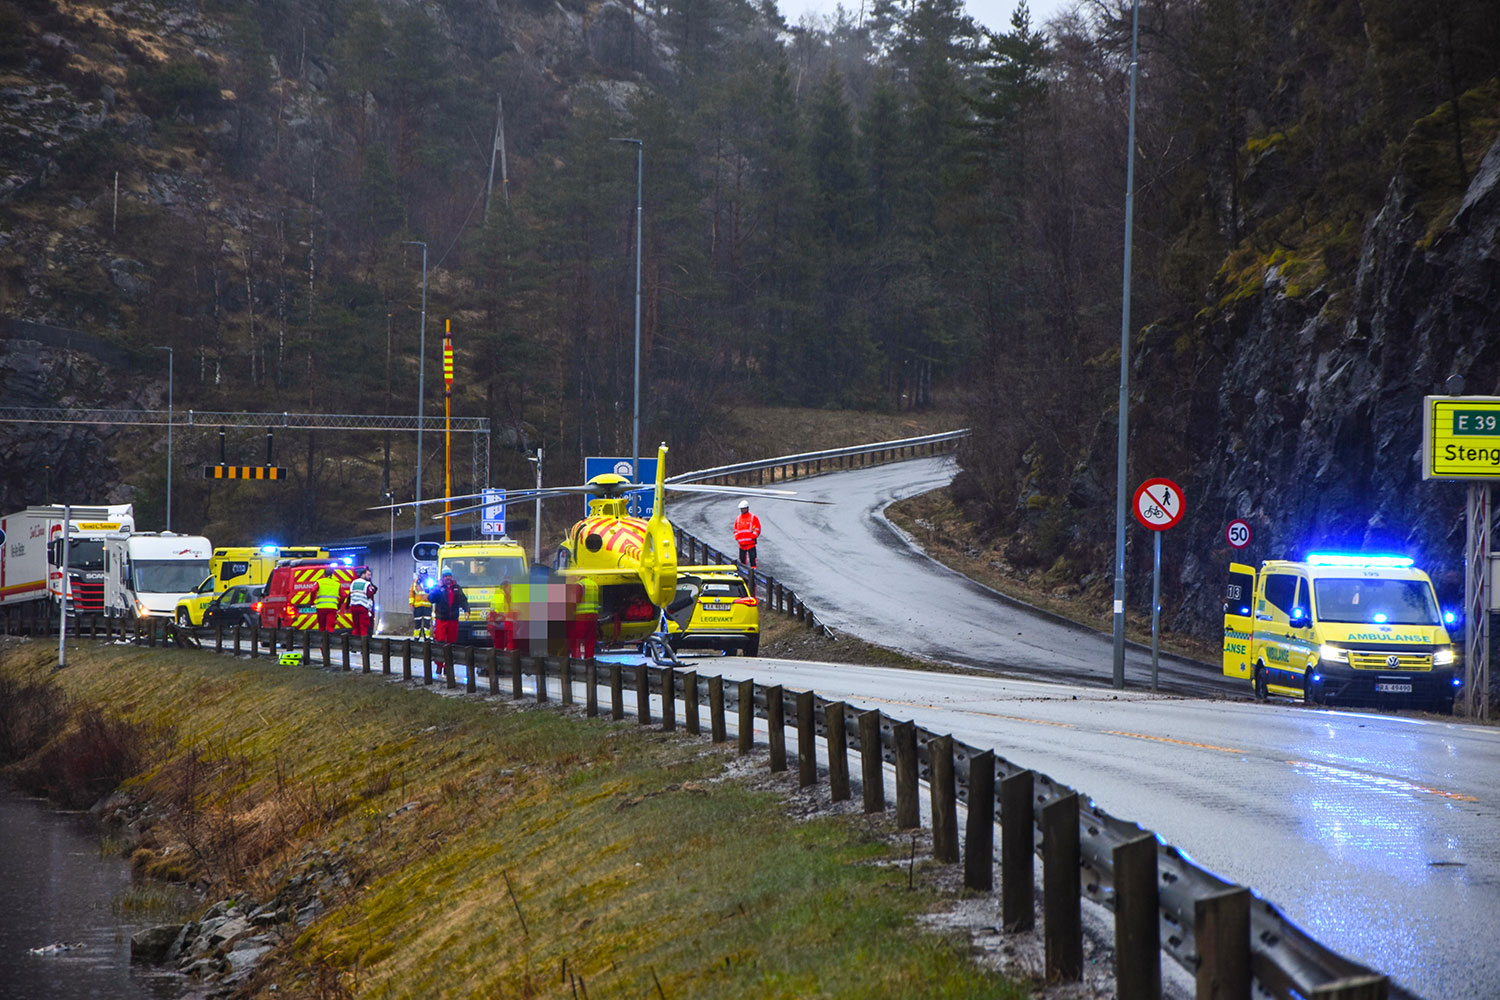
635,424
1124,428
421,386
497,145
170,356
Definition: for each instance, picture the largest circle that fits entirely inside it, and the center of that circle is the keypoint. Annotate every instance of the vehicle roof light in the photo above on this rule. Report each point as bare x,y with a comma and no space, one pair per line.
1357,559
269,549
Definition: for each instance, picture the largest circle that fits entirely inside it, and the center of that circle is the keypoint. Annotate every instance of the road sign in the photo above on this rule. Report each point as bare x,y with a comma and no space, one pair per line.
641,501
492,522
244,472
1238,533
1461,437
1158,504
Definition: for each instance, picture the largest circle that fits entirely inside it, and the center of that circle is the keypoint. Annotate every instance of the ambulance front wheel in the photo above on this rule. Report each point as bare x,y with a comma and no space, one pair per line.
1259,682
1312,690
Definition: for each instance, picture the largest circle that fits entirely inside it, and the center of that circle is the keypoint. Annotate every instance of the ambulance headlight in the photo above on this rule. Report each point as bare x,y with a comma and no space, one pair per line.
141,610
1332,654
1443,657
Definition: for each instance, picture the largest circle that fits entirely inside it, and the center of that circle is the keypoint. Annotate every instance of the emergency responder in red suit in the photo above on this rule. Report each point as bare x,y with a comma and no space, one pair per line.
448,599
583,631
746,531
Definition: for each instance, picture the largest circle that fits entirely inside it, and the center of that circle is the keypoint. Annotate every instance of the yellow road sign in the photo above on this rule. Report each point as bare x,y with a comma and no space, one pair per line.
1461,437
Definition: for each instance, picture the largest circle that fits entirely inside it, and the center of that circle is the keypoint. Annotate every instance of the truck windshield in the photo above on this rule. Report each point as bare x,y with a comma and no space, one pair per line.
1376,602
84,553
167,576
486,571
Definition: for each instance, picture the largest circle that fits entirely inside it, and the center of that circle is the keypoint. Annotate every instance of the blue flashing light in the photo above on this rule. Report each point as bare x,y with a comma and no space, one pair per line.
1244,611
1458,682
1380,617
1317,678
1358,559
1449,618
348,560
269,548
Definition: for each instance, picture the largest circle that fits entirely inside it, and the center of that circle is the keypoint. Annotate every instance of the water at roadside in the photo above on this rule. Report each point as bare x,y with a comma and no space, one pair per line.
56,888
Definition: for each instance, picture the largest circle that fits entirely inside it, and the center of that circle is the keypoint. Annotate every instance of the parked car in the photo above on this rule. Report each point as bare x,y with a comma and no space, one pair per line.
239,605
713,609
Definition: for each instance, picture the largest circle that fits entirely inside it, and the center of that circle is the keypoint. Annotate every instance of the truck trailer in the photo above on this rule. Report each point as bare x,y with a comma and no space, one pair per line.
31,556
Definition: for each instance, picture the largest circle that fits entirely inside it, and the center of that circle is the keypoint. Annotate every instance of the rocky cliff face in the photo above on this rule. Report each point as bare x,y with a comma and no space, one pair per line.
1313,427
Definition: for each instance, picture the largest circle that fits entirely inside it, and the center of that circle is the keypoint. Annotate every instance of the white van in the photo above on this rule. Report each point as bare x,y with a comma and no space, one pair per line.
147,573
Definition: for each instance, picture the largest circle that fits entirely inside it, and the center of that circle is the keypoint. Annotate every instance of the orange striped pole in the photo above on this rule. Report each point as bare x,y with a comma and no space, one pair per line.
447,426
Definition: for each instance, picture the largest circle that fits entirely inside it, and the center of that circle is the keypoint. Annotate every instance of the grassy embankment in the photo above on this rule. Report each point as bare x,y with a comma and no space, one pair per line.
483,848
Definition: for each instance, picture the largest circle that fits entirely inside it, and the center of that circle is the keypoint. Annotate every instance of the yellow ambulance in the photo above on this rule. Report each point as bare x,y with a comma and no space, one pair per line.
1335,627
480,567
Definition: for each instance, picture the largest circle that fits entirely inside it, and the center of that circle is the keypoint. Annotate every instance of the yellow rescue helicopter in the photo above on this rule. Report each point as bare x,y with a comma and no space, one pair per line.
633,559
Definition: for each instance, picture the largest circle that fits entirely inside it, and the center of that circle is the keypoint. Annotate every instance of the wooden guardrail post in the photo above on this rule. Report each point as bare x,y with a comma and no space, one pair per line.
448,666
718,730
344,649
942,788
776,726
470,680
255,641
979,835
426,661
690,701
668,700
908,814
540,663
838,752
565,675
515,673
591,687
151,634
643,694
616,692
325,639
236,648
364,653
307,646
1017,852
492,666
385,656
747,716
406,660
1137,920
1221,926
871,762
807,741
1062,916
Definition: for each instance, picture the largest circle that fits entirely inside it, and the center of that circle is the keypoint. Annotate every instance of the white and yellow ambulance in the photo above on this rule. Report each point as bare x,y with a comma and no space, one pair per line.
1351,628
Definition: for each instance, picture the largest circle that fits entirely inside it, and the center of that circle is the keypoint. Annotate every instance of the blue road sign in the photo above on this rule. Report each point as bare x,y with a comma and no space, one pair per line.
642,501
493,521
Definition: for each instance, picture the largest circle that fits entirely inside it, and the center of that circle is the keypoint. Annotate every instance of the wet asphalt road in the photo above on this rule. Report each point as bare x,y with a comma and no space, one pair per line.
1378,834
858,574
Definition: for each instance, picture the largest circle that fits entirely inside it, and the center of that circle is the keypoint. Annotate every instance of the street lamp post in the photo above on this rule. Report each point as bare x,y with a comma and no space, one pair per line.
1124,421
390,499
171,358
536,541
421,386
635,424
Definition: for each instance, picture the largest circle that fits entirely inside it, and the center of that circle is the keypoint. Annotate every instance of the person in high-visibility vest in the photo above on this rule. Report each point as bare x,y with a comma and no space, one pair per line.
746,534
326,601
421,607
362,602
585,637
502,617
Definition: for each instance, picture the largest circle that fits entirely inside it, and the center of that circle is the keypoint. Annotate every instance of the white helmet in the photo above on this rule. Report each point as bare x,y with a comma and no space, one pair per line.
744,505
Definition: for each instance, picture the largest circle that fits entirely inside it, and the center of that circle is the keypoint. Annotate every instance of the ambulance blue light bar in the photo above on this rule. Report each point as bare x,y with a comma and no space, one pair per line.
1358,559
268,549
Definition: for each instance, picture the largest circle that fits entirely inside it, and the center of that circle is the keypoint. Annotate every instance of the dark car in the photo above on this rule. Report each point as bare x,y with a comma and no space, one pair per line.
239,605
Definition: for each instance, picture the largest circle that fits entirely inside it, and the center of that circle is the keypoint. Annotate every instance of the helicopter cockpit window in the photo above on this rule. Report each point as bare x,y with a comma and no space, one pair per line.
562,560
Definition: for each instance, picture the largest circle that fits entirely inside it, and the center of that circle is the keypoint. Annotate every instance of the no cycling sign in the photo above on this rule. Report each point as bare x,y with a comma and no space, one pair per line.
1158,504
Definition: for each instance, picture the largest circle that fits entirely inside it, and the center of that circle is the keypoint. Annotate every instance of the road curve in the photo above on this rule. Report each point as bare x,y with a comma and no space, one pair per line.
862,577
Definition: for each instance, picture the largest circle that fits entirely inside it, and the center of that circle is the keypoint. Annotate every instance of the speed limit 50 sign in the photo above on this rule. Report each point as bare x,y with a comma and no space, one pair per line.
1237,533
1158,504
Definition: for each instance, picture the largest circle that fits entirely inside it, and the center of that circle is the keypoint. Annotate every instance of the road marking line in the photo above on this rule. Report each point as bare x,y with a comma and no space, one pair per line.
1167,739
969,711
1380,783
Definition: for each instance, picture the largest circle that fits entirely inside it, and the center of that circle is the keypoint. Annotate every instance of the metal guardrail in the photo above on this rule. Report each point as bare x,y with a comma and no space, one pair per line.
1227,937
778,596
237,418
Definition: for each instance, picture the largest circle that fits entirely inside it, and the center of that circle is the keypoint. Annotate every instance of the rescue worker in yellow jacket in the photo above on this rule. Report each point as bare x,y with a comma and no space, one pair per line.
502,618
326,601
585,622
421,607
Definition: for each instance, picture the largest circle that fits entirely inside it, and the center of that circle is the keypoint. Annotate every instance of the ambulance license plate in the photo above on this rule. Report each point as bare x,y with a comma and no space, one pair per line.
715,606
1392,688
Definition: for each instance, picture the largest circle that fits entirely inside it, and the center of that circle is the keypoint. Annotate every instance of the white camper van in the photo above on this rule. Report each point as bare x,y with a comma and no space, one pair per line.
147,573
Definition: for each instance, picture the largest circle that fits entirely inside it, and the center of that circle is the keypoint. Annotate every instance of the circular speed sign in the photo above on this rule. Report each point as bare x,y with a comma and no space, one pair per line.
1237,533
1158,504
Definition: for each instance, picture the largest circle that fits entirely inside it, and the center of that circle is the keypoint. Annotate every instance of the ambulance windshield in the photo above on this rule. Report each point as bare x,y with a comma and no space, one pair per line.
1376,602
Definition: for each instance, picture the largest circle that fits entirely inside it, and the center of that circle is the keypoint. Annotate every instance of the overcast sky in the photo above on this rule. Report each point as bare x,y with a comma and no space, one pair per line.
993,14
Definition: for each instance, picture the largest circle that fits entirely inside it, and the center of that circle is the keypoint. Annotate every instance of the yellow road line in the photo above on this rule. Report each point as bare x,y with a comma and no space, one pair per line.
1167,739
1378,782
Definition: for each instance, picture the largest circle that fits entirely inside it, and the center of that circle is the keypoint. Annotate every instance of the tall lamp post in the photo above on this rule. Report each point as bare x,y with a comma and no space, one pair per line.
421,385
635,424
390,498
1124,422
171,358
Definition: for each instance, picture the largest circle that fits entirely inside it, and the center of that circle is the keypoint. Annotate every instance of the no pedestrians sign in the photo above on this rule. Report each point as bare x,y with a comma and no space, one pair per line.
1158,504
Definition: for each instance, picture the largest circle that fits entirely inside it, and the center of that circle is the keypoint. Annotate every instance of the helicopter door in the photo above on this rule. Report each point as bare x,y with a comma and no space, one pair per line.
686,600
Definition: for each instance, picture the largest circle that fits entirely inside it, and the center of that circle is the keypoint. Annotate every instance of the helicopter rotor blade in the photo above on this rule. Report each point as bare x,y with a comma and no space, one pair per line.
739,491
